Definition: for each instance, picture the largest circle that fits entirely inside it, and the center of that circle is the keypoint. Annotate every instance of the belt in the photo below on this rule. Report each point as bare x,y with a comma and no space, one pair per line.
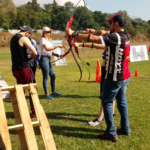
45,56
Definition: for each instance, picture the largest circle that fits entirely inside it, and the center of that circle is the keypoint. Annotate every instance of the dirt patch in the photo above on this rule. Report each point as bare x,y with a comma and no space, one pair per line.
5,62
4,51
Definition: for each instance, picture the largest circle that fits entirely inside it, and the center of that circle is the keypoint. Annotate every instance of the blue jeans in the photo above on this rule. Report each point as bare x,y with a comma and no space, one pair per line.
112,90
47,70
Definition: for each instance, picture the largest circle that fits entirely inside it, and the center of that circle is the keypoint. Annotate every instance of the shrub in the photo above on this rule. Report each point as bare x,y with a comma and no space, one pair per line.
6,27
35,31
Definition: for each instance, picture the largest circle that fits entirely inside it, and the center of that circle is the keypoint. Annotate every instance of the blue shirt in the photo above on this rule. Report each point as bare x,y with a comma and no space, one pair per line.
33,62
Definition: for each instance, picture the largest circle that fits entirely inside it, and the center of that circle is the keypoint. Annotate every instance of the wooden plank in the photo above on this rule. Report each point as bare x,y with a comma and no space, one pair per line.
21,127
21,133
4,133
45,127
25,118
12,88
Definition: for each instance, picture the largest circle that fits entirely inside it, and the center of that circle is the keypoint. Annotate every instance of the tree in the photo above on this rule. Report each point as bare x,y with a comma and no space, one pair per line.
8,12
100,18
54,6
22,18
148,22
35,5
68,7
48,8
59,20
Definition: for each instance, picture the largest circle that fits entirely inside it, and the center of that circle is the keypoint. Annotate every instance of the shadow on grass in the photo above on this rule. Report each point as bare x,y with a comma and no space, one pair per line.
85,81
84,133
7,100
60,116
68,117
65,96
10,115
76,132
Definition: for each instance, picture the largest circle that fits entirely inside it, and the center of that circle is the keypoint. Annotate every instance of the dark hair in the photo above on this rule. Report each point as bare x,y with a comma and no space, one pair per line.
23,31
121,25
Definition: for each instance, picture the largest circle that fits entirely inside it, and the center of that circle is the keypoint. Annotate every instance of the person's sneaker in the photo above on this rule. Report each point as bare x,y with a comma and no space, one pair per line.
95,122
56,94
122,132
49,97
108,136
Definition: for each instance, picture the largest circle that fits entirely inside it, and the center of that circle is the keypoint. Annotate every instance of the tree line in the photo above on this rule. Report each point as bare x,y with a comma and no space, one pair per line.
56,17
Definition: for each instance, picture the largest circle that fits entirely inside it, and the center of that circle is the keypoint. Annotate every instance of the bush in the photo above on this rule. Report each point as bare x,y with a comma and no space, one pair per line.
39,27
6,27
35,31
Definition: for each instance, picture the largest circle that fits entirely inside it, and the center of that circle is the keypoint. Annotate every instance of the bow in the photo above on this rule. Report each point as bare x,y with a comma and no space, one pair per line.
83,62
69,39
64,55
74,41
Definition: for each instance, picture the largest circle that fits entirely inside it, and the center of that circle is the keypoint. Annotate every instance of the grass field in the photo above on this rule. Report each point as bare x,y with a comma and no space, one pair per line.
68,115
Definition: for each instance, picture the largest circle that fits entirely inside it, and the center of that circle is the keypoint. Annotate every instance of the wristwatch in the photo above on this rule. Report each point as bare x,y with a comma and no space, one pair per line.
74,34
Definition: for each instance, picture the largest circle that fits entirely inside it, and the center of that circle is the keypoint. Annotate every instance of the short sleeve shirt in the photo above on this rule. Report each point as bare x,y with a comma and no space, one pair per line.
117,56
43,41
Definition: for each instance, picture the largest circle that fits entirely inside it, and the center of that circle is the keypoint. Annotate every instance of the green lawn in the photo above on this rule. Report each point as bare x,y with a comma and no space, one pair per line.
68,115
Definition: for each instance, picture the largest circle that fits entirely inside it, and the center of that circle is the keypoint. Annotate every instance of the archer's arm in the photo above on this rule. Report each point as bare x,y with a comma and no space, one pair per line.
97,32
84,37
97,46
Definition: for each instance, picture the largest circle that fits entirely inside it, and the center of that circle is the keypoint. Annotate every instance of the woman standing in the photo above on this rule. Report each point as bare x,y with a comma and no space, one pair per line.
45,61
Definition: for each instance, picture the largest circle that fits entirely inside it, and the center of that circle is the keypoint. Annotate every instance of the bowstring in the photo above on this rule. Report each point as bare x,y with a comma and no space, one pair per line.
82,61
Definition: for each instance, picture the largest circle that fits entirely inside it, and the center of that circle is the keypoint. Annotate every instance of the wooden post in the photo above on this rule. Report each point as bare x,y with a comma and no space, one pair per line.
21,133
25,118
41,117
4,133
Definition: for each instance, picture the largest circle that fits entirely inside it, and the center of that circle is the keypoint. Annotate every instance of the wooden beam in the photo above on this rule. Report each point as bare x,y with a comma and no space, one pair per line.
4,133
21,133
12,88
45,127
21,127
25,118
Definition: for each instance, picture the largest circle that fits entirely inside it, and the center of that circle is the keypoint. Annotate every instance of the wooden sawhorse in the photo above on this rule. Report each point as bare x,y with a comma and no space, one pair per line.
24,126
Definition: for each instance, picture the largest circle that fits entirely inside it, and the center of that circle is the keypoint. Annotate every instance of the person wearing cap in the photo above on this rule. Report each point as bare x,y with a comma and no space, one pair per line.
117,71
45,61
99,120
20,67
33,62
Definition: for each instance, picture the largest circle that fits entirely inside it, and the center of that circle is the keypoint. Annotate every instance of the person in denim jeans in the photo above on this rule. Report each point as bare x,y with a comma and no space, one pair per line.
45,61
99,119
117,71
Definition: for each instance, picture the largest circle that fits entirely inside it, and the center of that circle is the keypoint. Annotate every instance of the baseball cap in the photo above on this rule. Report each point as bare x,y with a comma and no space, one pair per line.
26,28
46,29
117,18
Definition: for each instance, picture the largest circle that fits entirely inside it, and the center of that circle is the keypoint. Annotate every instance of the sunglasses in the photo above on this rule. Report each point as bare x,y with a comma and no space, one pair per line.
48,32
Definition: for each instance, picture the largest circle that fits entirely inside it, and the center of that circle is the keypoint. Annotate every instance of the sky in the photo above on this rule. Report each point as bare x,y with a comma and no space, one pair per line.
135,8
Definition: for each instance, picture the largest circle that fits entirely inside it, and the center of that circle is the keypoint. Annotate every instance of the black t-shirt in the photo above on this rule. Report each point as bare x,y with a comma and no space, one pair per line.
18,54
117,57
